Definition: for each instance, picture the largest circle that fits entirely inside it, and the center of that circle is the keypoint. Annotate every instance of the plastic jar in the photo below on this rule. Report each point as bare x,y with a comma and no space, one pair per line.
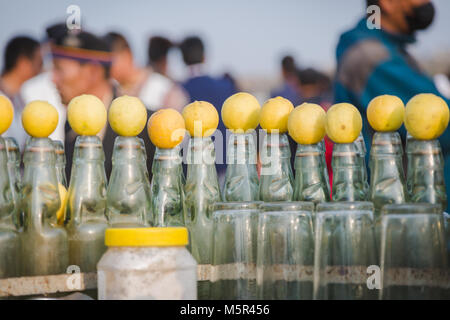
147,263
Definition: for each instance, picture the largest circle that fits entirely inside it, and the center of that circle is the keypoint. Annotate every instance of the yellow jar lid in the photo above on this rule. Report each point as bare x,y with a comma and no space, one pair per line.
146,237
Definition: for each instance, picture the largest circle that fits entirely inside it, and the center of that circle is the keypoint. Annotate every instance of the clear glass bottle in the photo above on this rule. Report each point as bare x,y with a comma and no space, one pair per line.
277,179
426,172
85,212
348,178
128,194
409,171
15,179
44,245
201,191
60,163
241,178
167,192
9,239
311,178
387,180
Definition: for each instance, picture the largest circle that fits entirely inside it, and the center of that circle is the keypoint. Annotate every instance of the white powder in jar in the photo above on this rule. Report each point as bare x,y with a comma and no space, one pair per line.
168,273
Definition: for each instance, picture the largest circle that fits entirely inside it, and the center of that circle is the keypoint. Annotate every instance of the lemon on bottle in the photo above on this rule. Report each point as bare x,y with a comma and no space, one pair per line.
275,113
240,112
426,116
166,128
201,118
6,113
39,119
86,115
343,123
127,116
60,214
386,113
306,123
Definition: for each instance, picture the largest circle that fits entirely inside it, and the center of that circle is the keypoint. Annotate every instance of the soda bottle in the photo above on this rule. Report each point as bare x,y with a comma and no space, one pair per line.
362,151
85,212
167,194
277,179
44,246
348,178
9,239
128,194
241,177
202,191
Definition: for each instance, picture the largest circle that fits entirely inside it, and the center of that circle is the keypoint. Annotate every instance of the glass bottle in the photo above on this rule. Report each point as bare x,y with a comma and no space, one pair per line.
85,212
60,162
348,179
201,191
9,240
277,179
426,172
241,178
44,246
387,180
128,193
311,178
13,152
167,192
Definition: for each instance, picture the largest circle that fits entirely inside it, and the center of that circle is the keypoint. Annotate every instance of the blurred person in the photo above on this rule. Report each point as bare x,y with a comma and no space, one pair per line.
154,89
82,63
22,61
203,87
158,49
288,90
372,62
41,87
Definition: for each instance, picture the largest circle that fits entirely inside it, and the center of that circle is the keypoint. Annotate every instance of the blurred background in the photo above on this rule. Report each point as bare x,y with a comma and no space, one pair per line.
245,38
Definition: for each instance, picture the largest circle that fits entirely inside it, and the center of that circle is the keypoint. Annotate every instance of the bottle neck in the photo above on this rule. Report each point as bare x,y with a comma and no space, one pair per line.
6,200
87,190
128,149
40,193
166,160
241,149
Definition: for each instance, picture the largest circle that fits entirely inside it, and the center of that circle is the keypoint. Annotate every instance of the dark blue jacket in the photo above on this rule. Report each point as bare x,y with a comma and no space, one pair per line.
374,62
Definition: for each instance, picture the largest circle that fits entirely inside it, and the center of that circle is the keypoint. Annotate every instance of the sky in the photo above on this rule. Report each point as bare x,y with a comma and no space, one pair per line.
245,37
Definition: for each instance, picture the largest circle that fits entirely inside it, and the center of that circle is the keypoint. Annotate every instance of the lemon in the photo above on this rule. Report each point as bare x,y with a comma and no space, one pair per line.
6,113
166,128
386,113
426,116
39,119
275,113
343,123
62,208
127,116
306,123
201,118
240,112
86,115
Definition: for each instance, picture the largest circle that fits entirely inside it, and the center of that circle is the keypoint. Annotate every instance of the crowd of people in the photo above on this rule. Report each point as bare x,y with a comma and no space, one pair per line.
370,62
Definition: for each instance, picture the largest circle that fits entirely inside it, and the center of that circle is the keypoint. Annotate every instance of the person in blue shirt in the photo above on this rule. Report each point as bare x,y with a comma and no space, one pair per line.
289,88
203,87
373,60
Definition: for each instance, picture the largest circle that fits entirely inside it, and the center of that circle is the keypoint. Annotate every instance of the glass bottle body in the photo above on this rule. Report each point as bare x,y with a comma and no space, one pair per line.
167,192
277,179
44,246
241,178
128,193
85,211
60,162
15,179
